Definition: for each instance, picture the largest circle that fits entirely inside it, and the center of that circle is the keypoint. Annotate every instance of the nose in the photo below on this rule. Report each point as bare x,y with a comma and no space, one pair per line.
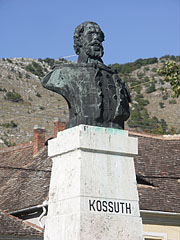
95,36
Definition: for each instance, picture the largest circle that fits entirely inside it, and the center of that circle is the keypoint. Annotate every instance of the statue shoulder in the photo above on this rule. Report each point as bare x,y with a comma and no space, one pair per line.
57,76
122,86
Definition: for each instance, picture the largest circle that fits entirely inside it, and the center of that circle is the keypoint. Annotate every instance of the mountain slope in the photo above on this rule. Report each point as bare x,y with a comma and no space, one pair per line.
25,103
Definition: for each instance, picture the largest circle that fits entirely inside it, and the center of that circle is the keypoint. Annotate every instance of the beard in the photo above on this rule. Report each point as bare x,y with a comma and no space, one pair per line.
94,49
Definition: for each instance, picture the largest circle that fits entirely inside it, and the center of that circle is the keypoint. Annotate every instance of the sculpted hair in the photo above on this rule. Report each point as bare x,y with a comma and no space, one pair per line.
78,35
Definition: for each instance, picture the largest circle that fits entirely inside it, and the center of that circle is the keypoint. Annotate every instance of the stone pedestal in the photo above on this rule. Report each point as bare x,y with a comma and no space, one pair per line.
93,192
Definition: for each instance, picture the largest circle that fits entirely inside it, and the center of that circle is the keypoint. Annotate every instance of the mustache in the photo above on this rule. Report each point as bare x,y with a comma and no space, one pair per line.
95,43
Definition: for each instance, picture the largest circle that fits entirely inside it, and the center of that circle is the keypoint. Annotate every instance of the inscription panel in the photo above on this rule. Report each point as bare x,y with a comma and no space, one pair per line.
111,206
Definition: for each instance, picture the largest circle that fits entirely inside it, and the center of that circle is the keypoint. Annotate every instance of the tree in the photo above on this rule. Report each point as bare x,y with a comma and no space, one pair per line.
171,73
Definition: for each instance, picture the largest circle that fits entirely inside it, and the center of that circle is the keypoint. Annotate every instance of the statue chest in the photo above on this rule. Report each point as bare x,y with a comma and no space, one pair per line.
89,91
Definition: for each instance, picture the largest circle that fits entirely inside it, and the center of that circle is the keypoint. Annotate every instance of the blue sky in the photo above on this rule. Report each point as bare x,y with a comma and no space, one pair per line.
133,28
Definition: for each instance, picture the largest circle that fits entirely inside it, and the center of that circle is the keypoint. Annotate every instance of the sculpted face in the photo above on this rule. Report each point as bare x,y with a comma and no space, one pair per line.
92,40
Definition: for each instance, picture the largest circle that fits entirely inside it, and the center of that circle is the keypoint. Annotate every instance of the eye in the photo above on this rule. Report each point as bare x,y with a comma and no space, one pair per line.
90,33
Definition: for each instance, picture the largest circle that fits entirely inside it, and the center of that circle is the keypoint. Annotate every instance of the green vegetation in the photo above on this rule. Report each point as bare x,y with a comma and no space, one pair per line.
138,89
143,80
38,94
154,69
28,76
35,68
173,101
141,101
161,89
129,67
165,96
170,57
61,60
146,69
141,119
50,61
10,124
8,143
161,104
3,89
9,60
151,88
140,75
13,96
171,73
146,79
20,74
41,108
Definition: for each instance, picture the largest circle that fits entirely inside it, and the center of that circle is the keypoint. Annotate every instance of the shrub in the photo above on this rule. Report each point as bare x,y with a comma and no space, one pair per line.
161,104
3,89
134,83
41,108
146,69
20,74
40,59
50,61
154,69
162,126
9,60
140,75
173,101
129,67
11,124
161,89
8,143
141,101
142,120
161,81
35,68
28,76
13,96
138,89
146,79
171,73
170,57
172,131
165,97
151,88
38,94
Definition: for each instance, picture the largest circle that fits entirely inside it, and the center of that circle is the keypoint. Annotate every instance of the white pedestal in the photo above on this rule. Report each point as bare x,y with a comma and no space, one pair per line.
93,192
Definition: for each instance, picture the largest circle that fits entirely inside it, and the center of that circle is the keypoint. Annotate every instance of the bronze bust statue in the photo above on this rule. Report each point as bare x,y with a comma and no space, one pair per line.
94,92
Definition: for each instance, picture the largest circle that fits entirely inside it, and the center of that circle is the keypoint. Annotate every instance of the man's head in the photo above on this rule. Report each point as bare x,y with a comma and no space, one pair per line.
88,39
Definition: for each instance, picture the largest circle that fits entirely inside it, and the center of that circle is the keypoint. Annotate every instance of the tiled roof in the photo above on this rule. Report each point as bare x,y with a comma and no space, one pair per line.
158,163
10,225
25,179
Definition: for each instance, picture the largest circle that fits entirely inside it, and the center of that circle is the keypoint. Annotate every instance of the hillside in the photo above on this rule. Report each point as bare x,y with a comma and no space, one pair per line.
26,103
34,106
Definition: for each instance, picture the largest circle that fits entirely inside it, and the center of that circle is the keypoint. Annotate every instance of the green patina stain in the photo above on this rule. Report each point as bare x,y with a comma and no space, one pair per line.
112,131
88,128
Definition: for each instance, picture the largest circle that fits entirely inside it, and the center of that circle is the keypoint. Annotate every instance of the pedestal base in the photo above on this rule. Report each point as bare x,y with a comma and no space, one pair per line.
93,192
